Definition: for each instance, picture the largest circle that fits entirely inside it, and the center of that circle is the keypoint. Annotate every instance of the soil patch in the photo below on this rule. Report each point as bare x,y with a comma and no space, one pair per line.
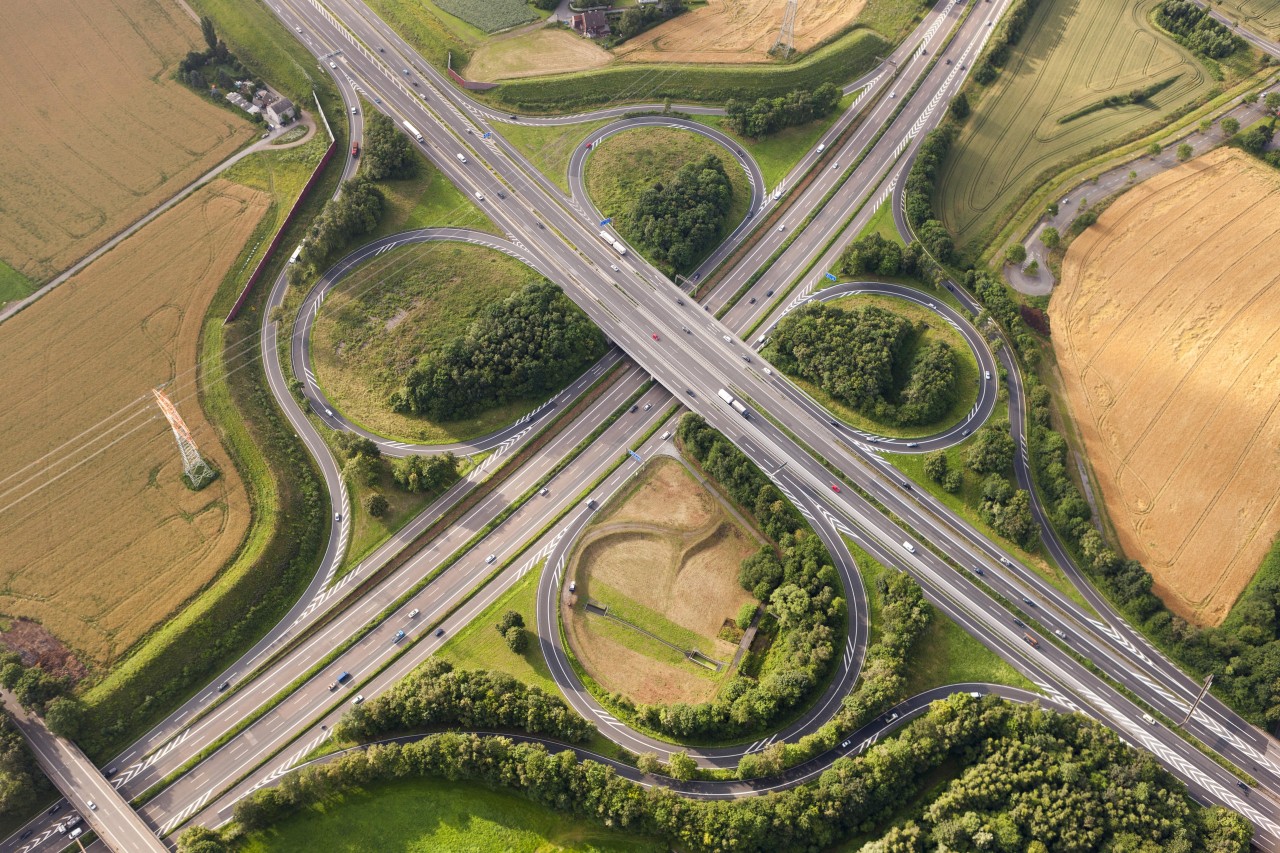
1167,330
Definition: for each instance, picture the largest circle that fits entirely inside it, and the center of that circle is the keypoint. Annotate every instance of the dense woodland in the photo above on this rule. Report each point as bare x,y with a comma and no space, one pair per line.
387,153
875,255
863,357
22,784
1035,781
530,344
768,115
677,221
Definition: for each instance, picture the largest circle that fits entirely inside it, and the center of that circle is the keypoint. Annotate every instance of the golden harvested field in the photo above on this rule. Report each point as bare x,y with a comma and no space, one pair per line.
666,558
738,31
530,53
95,131
1167,331
102,540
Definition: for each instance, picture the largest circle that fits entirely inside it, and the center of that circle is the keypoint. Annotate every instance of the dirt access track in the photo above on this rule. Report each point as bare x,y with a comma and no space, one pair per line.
102,541
738,31
1167,331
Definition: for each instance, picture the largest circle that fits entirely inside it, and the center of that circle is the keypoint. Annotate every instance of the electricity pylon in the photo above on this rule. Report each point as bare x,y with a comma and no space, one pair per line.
786,42
193,465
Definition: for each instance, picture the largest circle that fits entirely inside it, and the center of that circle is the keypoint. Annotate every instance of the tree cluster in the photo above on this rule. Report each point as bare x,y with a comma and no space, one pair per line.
767,115
681,218
214,66
22,783
1195,29
354,212
425,473
1080,783
857,356
918,192
435,694
43,693
387,153
996,298
796,579
876,255
533,342
511,627
1008,510
637,19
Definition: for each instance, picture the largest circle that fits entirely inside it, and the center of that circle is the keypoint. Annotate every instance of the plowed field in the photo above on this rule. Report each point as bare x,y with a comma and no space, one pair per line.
95,131
738,31
1167,330
101,538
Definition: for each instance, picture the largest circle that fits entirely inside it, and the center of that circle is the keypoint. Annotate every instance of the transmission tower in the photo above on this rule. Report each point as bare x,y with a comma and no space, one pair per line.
786,42
197,470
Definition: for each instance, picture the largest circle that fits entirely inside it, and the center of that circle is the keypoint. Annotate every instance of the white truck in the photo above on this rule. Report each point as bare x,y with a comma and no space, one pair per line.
413,131
616,244
293,259
734,404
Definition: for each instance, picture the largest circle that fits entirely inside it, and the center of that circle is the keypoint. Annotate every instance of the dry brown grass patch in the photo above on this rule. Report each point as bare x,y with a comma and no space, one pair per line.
738,31
1167,330
547,50
95,131
665,557
101,546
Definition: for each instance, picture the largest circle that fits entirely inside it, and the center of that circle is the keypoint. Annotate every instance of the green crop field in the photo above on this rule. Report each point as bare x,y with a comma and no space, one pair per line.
1261,16
966,381
489,15
1073,53
433,814
380,320
627,163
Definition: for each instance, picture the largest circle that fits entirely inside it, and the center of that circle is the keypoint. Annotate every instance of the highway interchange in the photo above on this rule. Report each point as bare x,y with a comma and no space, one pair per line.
556,235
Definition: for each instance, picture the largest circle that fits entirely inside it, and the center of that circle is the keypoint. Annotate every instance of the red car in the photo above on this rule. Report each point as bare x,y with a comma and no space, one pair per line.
355,149
835,488
655,336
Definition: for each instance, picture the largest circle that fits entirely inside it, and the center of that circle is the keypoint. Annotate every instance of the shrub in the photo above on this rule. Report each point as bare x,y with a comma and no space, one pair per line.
376,505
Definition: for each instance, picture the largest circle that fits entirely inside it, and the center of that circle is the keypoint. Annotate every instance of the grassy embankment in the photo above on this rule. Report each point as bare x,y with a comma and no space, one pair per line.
436,814
549,148
13,284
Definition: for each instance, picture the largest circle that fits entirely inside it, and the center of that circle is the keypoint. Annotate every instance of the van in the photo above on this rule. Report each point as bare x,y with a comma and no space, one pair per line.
479,196
344,678
911,549
1148,719
821,147
462,158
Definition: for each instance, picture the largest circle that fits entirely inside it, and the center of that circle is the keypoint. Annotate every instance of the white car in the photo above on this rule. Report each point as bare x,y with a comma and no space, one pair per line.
355,110
359,698
573,586
93,807
413,614
332,64
614,267
489,559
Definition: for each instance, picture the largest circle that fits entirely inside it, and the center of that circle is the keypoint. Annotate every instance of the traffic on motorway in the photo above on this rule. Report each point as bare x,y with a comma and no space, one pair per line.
349,640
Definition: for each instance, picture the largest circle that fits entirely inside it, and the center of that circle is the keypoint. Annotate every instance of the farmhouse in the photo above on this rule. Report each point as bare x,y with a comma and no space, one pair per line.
280,112
591,24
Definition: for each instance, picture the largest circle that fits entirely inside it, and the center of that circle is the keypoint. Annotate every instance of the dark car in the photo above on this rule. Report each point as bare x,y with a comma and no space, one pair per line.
439,632
1019,623
57,808
634,408
26,835
223,686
